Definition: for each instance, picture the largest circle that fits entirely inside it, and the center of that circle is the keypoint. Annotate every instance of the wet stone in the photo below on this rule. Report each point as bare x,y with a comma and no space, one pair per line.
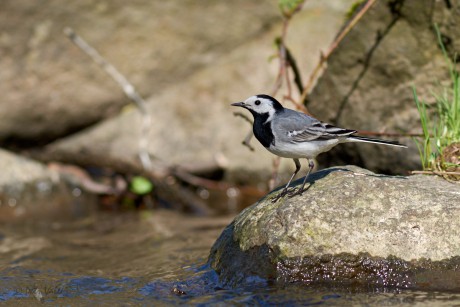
385,232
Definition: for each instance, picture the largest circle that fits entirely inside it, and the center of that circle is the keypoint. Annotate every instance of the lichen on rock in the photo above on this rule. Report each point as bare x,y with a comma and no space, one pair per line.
350,226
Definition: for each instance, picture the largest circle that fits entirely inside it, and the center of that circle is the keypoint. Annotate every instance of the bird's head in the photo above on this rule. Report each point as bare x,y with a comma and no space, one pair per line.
260,104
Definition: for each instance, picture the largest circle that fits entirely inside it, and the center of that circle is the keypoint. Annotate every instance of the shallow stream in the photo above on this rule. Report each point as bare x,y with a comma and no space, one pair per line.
150,258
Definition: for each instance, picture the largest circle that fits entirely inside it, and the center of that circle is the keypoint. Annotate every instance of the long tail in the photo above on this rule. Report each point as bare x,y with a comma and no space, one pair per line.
356,138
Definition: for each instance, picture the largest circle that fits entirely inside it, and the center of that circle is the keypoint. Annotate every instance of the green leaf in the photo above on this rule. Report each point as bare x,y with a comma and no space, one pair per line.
288,7
141,185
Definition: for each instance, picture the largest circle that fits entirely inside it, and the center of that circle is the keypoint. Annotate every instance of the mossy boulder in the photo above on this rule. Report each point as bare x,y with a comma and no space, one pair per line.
350,227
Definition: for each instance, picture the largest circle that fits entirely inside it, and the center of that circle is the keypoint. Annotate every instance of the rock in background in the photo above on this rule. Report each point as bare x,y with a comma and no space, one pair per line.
194,64
53,87
367,84
31,190
193,124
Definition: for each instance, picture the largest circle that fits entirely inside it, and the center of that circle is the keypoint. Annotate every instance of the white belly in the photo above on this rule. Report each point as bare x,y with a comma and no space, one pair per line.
308,150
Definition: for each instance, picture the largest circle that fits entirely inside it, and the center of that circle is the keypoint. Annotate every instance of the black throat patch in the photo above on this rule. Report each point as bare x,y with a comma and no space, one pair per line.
262,129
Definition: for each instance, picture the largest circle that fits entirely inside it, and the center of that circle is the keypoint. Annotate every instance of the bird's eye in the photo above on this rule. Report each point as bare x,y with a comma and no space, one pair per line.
257,102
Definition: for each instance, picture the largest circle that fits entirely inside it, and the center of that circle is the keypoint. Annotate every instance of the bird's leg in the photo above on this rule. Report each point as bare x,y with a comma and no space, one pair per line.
311,165
286,188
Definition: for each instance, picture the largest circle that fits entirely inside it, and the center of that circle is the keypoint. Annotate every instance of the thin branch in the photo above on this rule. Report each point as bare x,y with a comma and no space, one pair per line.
440,173
288,83
246,118
295,69
445,175
213,185
247,140
282,62
312,78
127,88
86,182
335,43
287,60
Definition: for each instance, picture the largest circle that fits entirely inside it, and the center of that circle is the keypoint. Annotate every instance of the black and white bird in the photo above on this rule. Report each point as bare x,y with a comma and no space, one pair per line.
291,134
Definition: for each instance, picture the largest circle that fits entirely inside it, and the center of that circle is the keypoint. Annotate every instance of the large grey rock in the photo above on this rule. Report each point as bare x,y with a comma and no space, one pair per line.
368,81
350,227
193,122
56,89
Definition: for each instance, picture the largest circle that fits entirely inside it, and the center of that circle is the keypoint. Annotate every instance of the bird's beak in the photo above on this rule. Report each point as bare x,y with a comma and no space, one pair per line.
239,104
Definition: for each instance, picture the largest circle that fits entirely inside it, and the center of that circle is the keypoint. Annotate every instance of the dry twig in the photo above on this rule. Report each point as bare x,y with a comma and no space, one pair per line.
247,140
440,173
87,183
324,57
444,174
286,60
127,88
212,184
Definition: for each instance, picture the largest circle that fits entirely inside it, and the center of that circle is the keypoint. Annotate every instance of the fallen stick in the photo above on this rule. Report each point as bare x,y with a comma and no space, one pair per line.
127,88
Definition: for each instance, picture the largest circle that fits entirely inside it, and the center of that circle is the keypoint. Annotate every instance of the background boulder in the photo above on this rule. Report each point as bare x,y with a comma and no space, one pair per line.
56,89
193,65
31,190
192,121
368,81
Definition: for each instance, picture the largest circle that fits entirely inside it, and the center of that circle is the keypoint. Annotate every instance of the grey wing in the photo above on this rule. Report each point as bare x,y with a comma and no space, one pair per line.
298,127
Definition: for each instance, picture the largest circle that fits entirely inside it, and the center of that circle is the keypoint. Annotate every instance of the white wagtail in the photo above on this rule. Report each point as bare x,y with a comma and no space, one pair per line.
291,134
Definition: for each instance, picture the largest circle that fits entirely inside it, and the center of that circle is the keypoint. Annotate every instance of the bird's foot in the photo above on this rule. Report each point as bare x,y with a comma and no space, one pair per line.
284,192
297,191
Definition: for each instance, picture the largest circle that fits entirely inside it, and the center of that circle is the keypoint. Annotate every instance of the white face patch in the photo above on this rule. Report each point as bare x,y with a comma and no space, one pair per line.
261,106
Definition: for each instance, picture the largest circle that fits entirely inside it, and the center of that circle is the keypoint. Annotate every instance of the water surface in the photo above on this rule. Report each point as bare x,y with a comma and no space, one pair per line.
151,258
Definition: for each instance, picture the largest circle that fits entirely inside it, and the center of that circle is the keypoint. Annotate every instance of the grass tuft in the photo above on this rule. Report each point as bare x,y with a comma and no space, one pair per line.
441,123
